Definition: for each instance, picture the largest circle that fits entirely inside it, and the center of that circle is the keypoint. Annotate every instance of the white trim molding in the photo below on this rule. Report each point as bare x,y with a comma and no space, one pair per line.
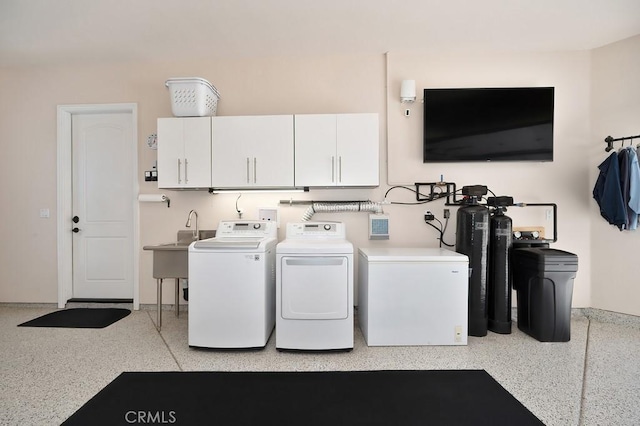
65,195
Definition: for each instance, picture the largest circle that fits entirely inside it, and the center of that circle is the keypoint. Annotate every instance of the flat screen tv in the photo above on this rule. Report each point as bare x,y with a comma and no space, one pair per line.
488,124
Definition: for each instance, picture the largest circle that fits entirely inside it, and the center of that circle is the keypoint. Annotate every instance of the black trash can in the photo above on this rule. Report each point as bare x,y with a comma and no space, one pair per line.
543,279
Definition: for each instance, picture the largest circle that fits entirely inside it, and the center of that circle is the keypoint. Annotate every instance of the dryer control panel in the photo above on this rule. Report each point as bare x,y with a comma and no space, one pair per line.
247,228
310,230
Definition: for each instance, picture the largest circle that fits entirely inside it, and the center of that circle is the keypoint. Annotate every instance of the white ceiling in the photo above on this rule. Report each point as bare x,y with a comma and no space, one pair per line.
55,31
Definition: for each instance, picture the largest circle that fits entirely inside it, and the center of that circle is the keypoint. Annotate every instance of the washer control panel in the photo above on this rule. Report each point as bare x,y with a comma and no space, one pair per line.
247,228
307,230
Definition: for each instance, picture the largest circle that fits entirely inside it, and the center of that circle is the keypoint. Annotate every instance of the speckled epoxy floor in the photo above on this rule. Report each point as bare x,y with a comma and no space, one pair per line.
46,374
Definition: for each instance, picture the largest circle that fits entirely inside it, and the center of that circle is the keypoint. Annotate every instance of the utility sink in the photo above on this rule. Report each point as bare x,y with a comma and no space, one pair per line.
171,260
187,235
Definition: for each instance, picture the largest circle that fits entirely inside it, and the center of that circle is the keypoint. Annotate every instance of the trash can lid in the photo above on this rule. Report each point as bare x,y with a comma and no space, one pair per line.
547,257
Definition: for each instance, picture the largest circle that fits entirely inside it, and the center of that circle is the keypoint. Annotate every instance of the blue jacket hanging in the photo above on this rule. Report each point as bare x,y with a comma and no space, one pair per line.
625,170
608,193
634,189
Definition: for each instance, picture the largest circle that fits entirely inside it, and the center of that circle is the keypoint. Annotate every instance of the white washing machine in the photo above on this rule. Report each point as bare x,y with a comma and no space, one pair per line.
232,286
314,288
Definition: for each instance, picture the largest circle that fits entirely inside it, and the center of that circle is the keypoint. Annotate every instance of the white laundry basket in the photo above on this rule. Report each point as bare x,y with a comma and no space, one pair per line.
192,97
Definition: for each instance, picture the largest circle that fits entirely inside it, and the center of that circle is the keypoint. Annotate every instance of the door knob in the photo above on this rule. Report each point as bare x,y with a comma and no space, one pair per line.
75,219
76,230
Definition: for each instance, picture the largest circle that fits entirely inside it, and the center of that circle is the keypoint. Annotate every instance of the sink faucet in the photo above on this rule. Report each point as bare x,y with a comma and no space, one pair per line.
196,235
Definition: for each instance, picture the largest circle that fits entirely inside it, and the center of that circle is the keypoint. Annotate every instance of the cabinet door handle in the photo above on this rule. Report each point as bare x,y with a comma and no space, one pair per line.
340,169
186,169
248,170
333,168
179,171
255,162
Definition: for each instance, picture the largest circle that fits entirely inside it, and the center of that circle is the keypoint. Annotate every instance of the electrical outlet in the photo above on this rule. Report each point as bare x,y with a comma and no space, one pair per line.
151,176
457,333
447,214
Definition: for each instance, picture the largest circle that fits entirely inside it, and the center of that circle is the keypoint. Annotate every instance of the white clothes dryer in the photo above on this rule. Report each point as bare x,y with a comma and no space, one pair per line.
314,288
232,286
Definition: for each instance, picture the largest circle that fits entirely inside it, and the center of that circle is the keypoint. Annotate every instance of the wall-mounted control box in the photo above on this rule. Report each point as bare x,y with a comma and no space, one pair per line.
378,227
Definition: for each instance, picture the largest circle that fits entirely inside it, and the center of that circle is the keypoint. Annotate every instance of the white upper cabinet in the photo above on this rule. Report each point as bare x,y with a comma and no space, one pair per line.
315,137
184,152
358,149
252,152
337,150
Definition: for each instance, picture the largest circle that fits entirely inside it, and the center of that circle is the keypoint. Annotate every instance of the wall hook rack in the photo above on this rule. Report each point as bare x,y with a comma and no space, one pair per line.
610,140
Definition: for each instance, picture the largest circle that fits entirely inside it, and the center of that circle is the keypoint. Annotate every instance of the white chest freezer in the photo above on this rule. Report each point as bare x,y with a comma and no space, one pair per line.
413,296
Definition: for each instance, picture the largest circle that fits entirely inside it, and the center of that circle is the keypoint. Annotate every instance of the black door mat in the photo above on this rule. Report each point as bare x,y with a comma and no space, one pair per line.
442,397
79,318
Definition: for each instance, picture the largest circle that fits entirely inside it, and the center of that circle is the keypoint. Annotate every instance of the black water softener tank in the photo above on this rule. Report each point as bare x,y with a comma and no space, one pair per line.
472,239
499,280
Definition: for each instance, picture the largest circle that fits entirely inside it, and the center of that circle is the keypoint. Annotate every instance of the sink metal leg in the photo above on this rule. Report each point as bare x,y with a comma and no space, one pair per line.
159,308
177,297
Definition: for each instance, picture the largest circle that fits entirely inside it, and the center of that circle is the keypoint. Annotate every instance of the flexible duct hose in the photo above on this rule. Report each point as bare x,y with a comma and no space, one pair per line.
357,206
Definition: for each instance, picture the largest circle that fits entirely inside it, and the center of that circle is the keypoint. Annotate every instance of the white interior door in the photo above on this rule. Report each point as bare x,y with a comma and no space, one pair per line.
103,255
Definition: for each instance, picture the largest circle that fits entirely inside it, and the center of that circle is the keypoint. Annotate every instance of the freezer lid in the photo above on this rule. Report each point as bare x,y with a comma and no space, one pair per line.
415,254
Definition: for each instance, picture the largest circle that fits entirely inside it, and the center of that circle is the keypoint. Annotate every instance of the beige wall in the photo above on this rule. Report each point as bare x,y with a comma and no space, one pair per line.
252,86
283,86
615,111
563,181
